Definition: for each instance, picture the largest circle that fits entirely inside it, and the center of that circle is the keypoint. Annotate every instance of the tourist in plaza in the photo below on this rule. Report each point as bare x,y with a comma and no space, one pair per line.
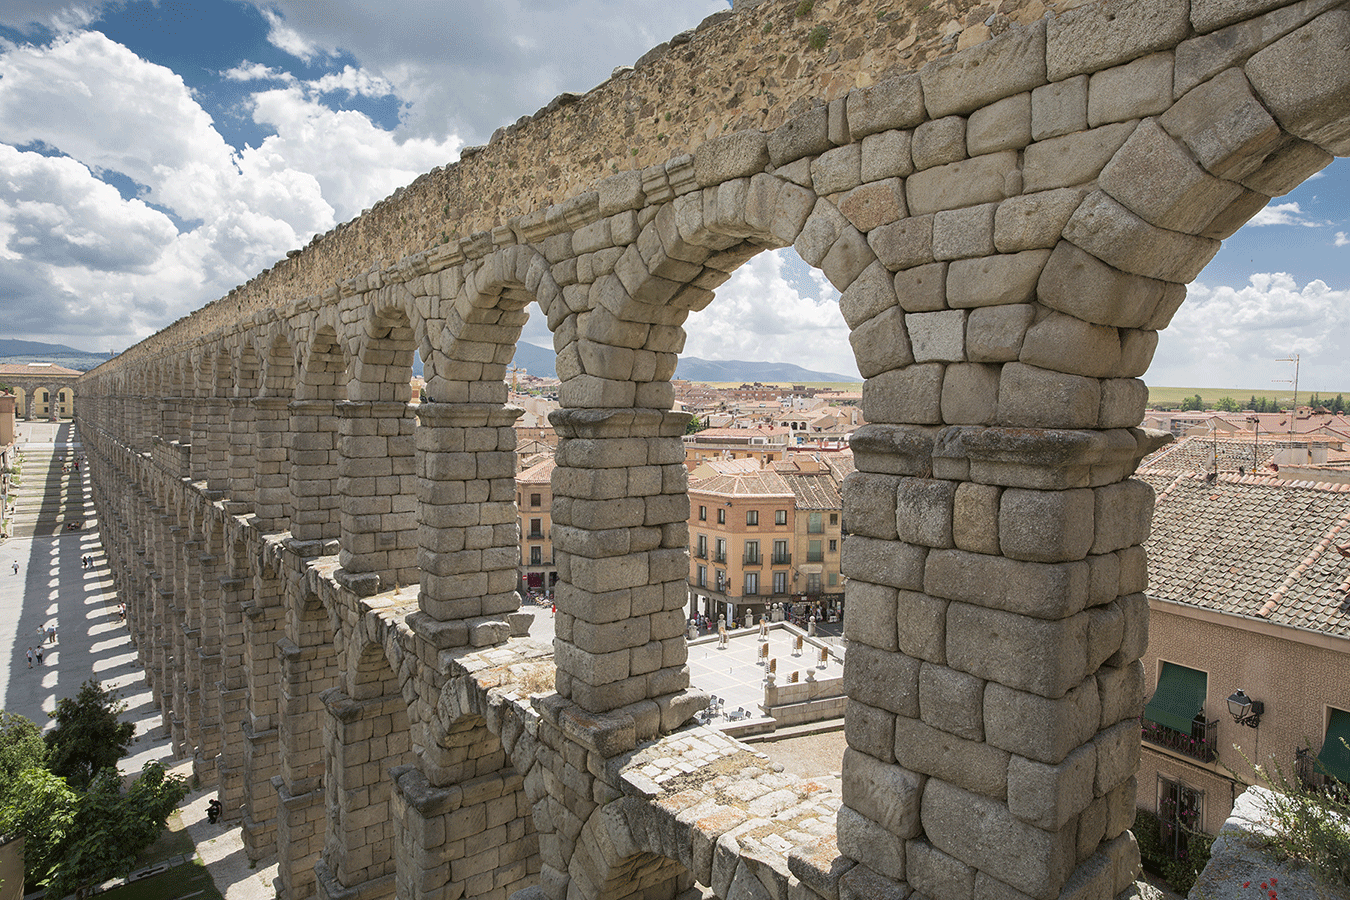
51,633
30,657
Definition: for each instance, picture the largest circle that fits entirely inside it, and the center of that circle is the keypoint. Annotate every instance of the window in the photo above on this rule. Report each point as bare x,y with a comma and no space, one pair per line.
721,554
536,528
834,518
813,552
1181,811
721,517
752,553
752,517
780,517
702,576
834,579
751,582
1175,716
780,582
703,513
536,556
813,583
536,500
721,579
834,546
813,523
701,550
781,556
1334,760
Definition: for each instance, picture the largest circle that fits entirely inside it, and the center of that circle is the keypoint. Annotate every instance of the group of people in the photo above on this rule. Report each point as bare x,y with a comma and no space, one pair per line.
46,634
86,562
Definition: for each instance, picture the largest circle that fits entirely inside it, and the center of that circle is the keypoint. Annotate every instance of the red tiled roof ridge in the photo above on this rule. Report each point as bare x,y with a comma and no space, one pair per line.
1273,601
1264,480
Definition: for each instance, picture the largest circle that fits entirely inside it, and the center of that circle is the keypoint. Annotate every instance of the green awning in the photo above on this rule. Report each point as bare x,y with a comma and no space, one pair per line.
1180,697
1335,758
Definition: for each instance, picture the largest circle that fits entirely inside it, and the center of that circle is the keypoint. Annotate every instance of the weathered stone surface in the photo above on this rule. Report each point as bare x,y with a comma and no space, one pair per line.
1004,125
995,334
1224,125
870,501
909,395
1303,78
924,511
1019,651
896,103
1113,234
1040,728
952,701
1093,37
805,135
1139,88
1059,108
995,279
1068,344
922,288
1124,514
881,343
983,834
1292,164
939,141
874,204
1034,220
1038,398
981,179
886,155
730,156
904,244
1027,587
870,294
970,394
1048,796
973,765
884,562
964,233
1077,283
1045,526
937,336
1154,177
1073,159
883,678
875,623
870,730
886,794
837,170
922,626
1009,64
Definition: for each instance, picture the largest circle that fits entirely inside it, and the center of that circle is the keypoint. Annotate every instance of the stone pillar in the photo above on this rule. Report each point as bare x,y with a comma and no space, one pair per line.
53,403
378,543
308,669
364,739
314,471
468,533
263,627
190,640
620,538
236,591
241,462
209,656
212,441
272,469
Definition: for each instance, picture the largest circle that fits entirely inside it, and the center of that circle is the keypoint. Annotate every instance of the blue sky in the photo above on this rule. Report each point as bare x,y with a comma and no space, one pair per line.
154,155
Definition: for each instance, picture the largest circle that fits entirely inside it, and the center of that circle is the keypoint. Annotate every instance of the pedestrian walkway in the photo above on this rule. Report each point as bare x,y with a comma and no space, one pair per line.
53,588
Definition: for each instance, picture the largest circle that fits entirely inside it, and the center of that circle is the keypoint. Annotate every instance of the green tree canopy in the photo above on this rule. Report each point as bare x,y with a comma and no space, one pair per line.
1192,403
1226,404
88,736
21,747
42,809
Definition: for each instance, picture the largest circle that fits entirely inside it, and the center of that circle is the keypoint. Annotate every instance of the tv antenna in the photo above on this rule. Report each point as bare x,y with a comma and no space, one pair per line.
1293,412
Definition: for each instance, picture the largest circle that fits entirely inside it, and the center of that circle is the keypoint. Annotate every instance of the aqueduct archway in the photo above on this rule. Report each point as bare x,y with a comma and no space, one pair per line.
1009,226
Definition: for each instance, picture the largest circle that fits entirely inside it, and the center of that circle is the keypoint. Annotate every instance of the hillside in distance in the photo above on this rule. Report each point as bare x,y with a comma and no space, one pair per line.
539,361
23,352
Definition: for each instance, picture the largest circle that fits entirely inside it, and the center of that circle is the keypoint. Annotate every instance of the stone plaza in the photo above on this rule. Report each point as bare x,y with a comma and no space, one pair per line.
321,579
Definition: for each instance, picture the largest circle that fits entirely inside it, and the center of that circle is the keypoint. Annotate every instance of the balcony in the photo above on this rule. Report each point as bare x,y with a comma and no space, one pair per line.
720,558
1199,744
701,553
815,556
536,535
815,529
782,559
752,559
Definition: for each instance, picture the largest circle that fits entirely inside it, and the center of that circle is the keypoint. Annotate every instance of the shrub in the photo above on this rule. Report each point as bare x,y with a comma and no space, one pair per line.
1180,873
818,37
1310,824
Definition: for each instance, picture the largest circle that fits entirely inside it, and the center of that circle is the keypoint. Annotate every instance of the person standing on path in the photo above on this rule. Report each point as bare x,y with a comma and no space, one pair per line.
51,633
30,657
16,567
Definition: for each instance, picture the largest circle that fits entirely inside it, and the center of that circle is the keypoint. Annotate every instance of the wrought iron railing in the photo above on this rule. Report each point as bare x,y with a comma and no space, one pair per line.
1200,744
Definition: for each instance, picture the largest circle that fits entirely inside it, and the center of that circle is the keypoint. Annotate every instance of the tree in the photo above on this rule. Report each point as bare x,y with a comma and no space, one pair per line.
42,809
1338,405
1190,403
21,748
88,736
112,828
1226,404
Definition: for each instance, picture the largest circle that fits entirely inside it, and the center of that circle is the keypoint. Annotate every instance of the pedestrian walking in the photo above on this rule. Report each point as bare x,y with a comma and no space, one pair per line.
16,567
51,633
30,657
38,654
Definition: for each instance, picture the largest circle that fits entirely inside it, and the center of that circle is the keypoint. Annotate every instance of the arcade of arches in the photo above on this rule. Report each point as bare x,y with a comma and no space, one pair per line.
41,390
320,579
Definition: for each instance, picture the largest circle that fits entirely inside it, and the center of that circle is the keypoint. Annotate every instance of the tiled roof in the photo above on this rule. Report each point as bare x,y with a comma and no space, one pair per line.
764,483
814,491
1253,546
1192,454
539,473
37,370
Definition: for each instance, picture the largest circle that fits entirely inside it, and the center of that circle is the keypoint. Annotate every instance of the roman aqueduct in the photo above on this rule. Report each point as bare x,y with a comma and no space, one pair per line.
1011,201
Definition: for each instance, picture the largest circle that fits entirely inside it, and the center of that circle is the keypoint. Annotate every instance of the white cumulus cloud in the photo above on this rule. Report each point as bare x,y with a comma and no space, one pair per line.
1284,214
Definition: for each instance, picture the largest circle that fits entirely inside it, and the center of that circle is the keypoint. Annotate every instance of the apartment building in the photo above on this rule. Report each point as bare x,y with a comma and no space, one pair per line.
762,444
534,500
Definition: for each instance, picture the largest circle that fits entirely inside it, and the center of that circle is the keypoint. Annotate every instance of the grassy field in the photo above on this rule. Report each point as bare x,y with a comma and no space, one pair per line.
1172,396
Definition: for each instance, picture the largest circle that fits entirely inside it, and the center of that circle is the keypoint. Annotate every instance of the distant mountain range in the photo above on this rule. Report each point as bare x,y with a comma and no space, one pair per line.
536,360
540,361
23,352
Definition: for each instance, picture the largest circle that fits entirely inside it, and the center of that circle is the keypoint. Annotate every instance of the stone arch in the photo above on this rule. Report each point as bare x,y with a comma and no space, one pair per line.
315,448
366,734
